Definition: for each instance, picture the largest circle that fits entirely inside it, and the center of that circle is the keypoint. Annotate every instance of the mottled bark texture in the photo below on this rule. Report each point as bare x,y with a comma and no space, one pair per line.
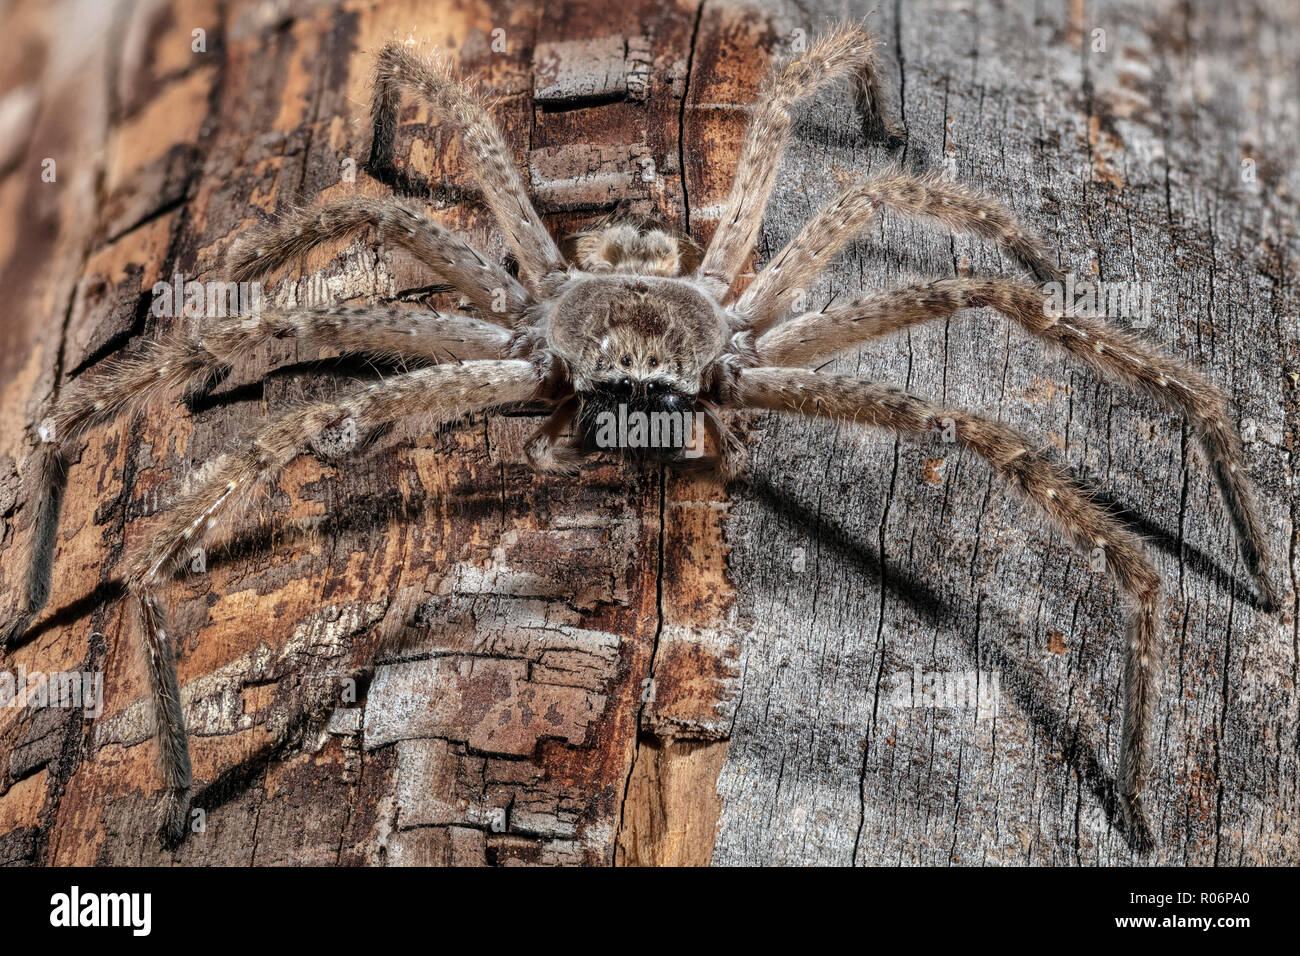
449,659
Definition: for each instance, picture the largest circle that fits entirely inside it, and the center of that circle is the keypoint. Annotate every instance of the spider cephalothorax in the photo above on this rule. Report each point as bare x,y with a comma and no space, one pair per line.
636,323
642,330
635,348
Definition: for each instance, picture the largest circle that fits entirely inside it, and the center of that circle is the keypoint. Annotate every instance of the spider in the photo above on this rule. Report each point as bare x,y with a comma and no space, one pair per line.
638,318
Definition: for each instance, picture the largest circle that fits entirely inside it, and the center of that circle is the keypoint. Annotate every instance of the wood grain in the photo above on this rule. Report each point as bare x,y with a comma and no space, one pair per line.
448,659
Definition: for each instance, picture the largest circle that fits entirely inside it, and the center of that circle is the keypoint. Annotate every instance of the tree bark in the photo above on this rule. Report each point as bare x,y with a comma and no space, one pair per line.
448,659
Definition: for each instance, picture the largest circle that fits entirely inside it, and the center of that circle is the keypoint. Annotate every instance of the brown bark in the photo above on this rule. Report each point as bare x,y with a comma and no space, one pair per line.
629,667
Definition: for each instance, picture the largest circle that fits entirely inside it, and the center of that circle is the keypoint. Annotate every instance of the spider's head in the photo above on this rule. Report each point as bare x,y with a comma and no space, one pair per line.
637,344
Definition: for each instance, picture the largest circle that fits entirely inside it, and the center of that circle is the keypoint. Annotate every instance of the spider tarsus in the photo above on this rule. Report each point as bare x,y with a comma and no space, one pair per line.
51,471
1137,826
566,469
12,632
555,458
876,125
173,816
1270,601
1044,271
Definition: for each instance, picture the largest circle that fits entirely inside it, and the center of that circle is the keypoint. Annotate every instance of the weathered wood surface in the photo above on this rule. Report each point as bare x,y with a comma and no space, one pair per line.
516,719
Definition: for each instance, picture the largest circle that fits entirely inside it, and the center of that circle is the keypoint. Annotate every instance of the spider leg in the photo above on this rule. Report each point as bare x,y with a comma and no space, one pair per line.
846,52
1044,482
201,519
182,364
547,451
1113,354
766,301
729,457
484,149
189,364
495,294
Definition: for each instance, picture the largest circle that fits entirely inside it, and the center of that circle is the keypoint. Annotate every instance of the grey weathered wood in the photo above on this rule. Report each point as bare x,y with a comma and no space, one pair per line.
1130,162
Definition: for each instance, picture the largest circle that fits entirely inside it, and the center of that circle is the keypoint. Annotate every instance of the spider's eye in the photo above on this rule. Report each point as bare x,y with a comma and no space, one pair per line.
625,361
653,361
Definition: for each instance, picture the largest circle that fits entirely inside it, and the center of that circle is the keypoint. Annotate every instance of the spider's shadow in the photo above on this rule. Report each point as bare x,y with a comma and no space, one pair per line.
947,611
940,611
409,184
1199,561
263,539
